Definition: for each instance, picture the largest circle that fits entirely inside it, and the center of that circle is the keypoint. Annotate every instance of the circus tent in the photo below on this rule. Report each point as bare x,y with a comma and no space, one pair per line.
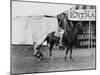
29,29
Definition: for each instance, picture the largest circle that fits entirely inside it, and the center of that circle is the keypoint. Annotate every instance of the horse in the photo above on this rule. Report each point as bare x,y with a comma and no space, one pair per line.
54,40
69,38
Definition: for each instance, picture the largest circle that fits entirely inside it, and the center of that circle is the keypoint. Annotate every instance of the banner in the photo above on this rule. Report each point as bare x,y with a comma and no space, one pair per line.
82,15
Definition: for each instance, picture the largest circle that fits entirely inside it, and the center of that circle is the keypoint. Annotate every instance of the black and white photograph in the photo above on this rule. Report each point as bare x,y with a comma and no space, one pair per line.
52,37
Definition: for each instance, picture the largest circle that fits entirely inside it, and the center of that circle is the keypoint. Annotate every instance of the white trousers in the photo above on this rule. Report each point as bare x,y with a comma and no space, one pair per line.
60,39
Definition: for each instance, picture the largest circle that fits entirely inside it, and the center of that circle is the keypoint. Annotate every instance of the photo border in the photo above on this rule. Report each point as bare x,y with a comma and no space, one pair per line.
49,3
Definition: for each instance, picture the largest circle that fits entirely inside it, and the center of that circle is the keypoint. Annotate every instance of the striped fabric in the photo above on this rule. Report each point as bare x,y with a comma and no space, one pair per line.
77,7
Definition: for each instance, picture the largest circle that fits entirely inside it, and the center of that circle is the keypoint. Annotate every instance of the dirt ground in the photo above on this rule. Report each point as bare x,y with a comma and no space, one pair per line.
23,61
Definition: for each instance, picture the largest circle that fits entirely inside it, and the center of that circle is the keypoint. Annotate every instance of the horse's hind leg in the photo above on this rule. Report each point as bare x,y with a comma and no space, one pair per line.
50,50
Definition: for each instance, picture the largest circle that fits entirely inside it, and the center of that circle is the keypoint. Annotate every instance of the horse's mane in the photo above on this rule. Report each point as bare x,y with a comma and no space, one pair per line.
72,30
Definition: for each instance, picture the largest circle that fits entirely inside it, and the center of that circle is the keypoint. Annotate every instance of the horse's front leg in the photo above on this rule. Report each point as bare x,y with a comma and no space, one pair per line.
71,52
50,49
67,49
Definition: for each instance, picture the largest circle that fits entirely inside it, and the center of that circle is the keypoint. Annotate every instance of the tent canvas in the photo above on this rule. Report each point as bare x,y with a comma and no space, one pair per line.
26,30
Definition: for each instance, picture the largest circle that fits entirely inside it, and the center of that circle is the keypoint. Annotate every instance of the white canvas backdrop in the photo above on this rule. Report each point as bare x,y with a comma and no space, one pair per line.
26,30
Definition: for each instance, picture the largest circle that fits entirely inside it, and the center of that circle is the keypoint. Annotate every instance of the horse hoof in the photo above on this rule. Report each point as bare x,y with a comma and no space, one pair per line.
71,58
51,57
38,60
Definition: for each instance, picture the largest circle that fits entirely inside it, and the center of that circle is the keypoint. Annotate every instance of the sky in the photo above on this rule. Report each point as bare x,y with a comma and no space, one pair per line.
37,9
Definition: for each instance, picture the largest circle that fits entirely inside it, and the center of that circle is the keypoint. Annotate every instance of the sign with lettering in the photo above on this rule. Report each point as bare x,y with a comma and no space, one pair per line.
82,15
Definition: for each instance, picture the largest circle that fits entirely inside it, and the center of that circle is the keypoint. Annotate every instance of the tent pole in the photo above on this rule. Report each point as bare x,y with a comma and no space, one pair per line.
89,37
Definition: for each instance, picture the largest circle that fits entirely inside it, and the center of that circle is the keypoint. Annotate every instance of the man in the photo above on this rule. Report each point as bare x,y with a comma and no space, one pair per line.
37,52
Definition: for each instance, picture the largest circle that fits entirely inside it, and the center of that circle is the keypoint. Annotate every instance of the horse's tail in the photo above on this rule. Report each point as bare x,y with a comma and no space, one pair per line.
47,38
43,42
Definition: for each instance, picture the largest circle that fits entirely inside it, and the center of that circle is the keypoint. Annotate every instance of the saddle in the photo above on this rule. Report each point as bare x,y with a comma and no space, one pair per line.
57,34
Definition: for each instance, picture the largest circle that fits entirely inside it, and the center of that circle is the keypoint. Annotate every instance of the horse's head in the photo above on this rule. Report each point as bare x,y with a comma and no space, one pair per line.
79,28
